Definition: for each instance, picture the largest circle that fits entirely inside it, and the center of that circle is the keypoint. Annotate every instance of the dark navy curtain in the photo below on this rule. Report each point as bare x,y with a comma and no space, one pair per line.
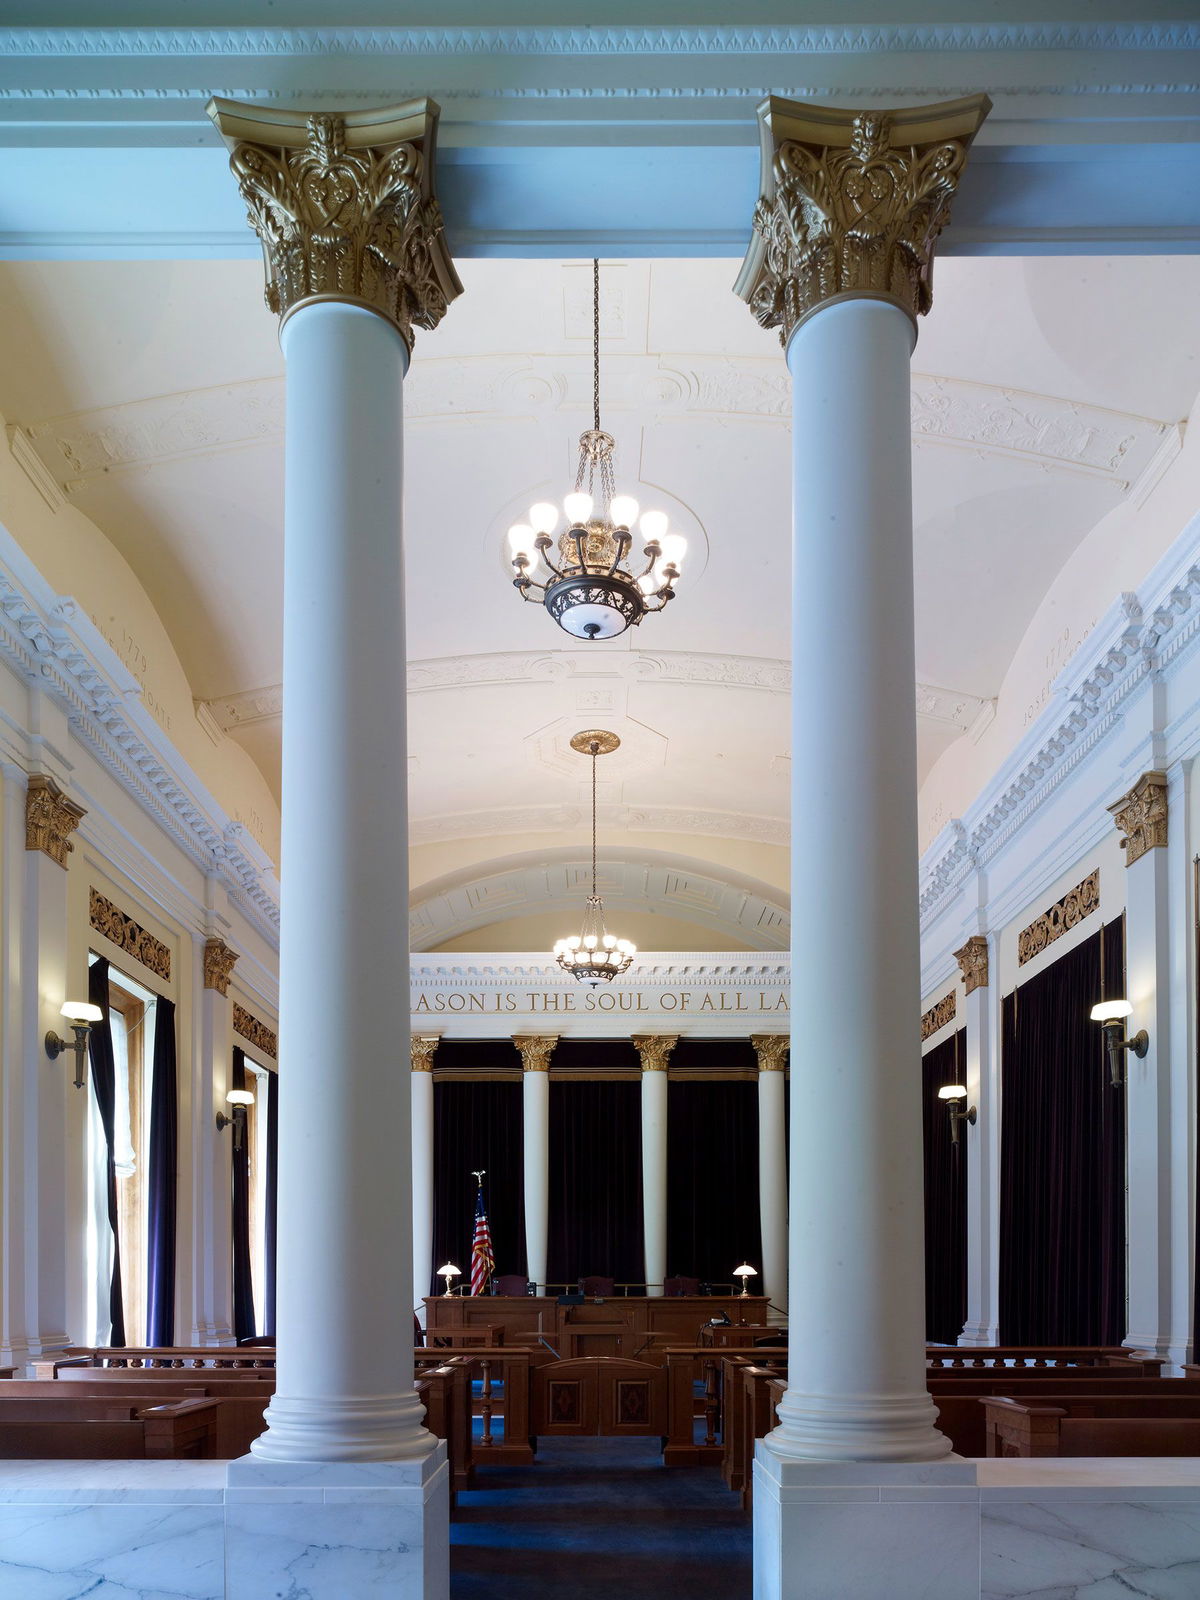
945,1195
712,1165
243,1283
1062,1154
596,1172
161,1180
271,1209
104,1086
478,1125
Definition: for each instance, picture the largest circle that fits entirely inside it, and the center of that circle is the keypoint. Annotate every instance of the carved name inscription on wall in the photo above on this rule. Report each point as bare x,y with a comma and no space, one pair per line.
1063,915
129,936
939,1015
256,1032
548,1002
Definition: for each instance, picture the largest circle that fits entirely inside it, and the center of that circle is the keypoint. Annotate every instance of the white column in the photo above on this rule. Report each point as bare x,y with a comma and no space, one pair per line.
424,1047
981,1145
345,1373
771,1050
856,1379
655,1052
536,1050
212,1192
19,1088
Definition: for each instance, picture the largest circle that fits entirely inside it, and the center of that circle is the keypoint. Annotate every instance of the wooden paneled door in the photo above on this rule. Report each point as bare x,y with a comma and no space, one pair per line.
599,1395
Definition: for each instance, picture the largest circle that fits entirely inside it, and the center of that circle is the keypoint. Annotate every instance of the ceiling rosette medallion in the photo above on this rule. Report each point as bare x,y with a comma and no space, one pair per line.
851,205
344,207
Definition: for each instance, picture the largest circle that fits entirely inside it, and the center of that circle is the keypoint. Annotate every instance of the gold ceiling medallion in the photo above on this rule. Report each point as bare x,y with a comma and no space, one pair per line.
50,819
851,205
973,963
654,1049
593,955
344,208
939,1015
1141,816
218,965
1063,915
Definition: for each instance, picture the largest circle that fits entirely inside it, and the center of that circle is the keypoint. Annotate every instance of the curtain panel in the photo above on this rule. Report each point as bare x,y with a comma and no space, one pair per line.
271,1206
1062,1155
945,1195
162,1179
712,1178
596,1176
104,1087
244,1326
478,1126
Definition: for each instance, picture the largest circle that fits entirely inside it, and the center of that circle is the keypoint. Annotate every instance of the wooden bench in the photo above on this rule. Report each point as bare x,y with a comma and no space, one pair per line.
90,1429
1093,1425
147,1358
970,1358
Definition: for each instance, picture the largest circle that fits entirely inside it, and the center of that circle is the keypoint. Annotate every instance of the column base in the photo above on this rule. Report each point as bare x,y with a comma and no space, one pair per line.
875,1532
857,1429
331,1530
378,1429
979,1333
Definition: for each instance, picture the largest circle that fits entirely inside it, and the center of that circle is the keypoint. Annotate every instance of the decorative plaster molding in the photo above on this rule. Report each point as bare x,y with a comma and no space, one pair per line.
771,1050
50,818
536,1050
24,453
1141,816
344,208
129,936
1064,914
654,1049
422,1049
851,205
973,963
218,965
255,1032
241,710
939,1015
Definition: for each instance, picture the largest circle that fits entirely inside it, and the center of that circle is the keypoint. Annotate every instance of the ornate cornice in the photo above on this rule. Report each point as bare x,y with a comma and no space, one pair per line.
771,1050
50,818
218,965
654,1049
536,1050
973,963
1141,816
129,936
422,1049
1064,914
344,207
255,1032
939,1015
851,205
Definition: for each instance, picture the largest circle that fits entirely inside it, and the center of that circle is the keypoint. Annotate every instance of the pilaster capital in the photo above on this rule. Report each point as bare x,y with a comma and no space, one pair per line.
851,205
654,1049
218,965
771,1050
536,1050
1141,816
423,1048
973,963
344,207
50,818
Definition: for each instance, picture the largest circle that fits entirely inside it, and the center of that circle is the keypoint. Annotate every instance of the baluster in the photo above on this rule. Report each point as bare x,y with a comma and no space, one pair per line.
485,1403
711,1402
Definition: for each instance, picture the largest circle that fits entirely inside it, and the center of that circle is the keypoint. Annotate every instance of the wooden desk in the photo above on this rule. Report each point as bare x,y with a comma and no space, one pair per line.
612,1326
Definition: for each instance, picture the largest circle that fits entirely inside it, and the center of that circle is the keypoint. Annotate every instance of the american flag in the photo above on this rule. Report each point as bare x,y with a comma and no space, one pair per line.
482,1260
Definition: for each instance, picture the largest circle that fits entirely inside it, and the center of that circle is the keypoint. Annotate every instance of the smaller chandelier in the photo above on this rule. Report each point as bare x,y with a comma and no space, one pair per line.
593,955
591,590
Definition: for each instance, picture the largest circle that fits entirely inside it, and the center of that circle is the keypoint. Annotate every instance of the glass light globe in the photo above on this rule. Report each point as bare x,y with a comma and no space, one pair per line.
520,539
654,524
578,507
239,1097
589,942
649,584
952,1091
543,517
623,510
1111,1010
81,1011
674,548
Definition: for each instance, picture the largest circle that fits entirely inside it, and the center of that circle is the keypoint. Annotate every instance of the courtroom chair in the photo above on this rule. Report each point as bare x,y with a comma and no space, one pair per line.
511,1283
676,1288
597,1288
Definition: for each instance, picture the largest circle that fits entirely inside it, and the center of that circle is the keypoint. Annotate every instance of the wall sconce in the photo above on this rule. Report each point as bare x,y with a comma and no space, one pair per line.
743,1272
81,1014
951,1092
1112,1014
239,1099
449,1273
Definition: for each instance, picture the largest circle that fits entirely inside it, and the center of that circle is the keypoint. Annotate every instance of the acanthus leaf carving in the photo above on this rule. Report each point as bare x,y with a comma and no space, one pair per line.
1141,816
50,818
654,1049
219,961
973,963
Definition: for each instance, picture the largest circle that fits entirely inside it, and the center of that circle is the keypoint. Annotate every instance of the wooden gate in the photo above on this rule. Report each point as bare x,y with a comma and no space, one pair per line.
599,1395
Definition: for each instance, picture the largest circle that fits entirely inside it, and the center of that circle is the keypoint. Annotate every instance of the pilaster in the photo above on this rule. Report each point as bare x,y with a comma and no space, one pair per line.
654,1051
981,1146
211,1286
772,1052
422,1050
535,1051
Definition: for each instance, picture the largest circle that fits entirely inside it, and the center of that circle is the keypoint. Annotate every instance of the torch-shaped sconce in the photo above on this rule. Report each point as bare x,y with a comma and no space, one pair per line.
239,1099
1112,1014
81,1014
951,1093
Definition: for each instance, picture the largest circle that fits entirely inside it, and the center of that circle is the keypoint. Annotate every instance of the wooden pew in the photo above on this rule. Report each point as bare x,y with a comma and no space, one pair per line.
150,1358
686,1367
968,1358
86,1428
1093,1425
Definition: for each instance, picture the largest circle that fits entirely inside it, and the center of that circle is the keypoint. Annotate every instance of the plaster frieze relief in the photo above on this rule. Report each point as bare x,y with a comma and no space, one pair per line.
1049,429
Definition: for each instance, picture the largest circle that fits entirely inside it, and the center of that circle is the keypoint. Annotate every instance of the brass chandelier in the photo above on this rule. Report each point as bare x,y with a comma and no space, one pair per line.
593,955
589,587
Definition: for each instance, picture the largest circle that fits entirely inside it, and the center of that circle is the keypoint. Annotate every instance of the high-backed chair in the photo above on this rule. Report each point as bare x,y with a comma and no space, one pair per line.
597,1288
511,1283
676,1287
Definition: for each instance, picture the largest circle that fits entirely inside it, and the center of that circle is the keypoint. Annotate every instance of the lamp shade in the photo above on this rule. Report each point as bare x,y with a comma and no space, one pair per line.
81,1011
448,1271
952,1091
239,1097
1111,1011
745,1271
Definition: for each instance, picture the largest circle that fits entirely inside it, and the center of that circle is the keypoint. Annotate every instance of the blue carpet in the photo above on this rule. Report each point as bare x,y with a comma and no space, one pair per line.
599,1519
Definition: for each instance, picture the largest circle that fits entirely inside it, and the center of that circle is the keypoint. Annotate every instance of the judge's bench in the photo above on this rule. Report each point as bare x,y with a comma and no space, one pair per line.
577,1325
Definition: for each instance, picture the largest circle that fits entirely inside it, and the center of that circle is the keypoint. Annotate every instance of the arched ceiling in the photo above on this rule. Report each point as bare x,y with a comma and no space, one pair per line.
1042,391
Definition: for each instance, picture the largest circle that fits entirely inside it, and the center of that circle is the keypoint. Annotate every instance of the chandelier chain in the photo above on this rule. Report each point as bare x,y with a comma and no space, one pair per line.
594,751
596,344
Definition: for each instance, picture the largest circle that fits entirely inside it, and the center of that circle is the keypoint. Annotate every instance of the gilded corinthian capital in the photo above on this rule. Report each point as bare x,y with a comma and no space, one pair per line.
1141,816
851,205
344,208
